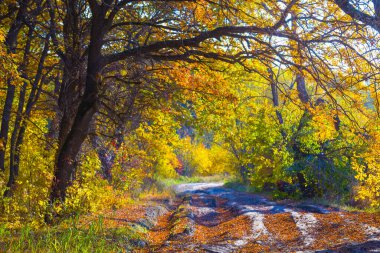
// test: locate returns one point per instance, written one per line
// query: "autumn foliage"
(101, 100)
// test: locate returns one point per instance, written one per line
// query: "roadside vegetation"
(69, 237)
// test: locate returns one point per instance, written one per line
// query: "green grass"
(340, 204)
(168, 182)
(236, 185)
(93, 238)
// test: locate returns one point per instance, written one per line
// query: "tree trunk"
(33, 98)
(64, 169)
(12, 173)
(65, 164)
(72, 83)
(275, 99)
(69, 99)
(106, 157)
(5, 122)
(54, 123)
(301, 88)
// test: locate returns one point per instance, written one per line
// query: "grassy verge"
(168, 182)
(69, 237)
(282, 197)
(236, 185)
(339, 204)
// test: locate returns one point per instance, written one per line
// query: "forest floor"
(207, 217)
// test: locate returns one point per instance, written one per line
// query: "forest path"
(211, 218)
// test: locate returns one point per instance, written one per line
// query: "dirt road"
(206, 217)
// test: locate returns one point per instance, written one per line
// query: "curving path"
(211, 218)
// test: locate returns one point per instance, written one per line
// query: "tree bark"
(275, 98)
(72, 82)
(65, 164)
(106, 157)
(301, 88)
(54, 122)
(64, 169)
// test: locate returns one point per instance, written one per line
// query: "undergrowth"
(69, 237)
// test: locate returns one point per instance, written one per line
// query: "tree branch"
(350, 10)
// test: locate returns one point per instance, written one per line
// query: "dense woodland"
(102, 100)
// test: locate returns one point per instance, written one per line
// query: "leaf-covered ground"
(207, 217)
